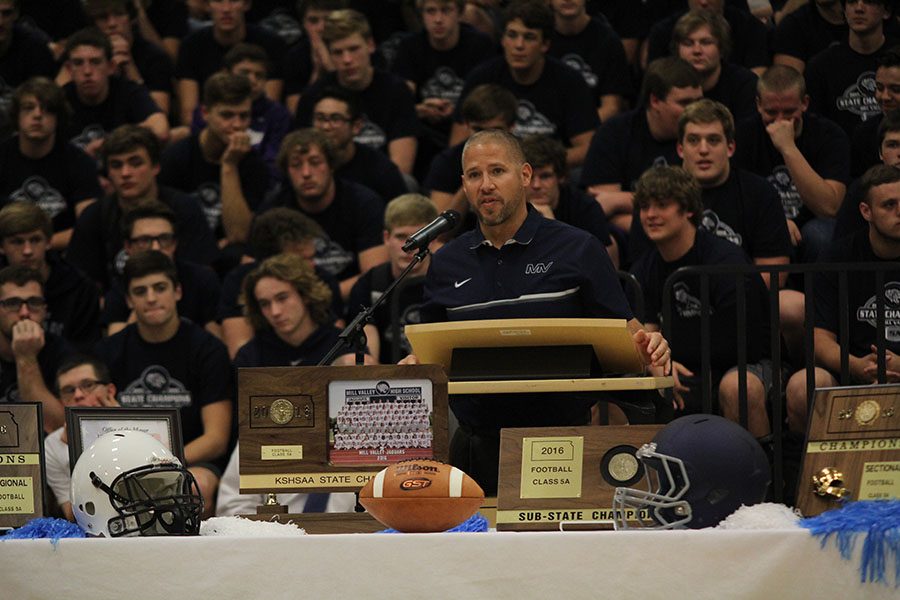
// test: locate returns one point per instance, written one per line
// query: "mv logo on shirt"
(537, 268)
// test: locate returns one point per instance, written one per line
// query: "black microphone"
(445, 222)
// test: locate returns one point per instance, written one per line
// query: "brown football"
(421, 496)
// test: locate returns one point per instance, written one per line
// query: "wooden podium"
(618, 365)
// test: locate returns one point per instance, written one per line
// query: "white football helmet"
(128, 484)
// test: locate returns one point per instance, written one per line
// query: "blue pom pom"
(45, 528)
(474, 524)
(878, 521)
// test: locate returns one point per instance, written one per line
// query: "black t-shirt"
(27, 56)
(622, 149)
(53, 353)
(856, 248)
(745, 210)
(841, 84)
(127, 103)
(153, 63)
(188, 372)
(73, 304)
(374, 170)
(849, 219)
(266, 349)
(824, 145)
(96, 245)
(736, 89)
(581, 210)
(387, 107)
(200, 290)
(749, 38)
(596, 52)
(558, 104)
(803, 33)
(441, 73)
(169, 18)
(445, 173)
(626, 17)
(353, 222)
(367, 289)
(184, 167)
(200, 55)
(864, 150)
(56, 182)
(683, 332)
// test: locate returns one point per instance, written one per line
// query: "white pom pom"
(767, 515)
(238, 527)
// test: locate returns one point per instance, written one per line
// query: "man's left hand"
(653, 348)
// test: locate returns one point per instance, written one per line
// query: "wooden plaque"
(21, 463)
(855, 432)
(330, 429)
(553, 476)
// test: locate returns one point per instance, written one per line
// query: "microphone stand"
(353, 336)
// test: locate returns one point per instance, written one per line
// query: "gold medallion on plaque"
(281, 411)
(867, 412)
(623, 466)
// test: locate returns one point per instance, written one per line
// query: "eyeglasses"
(145, 242)
(86, 386)
(332, 118)
(15, 303)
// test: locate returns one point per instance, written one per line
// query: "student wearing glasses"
(81, 380)
(29, 356)
(73, 301)
(152, 226)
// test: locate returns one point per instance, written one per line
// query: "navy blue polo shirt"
(548, 269)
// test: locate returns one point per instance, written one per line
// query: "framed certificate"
(84, 425)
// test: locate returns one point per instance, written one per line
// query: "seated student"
(81, 380)
(73, 302)
(863, 144)
(308, 59)
(386, 102)
(879, 195)
(350, 214)
(591, 47)
(337, 114)
(152, 226)
(164, 360)
(100, 100)
(217, 166)
(551, 194)
(39, 166)
(201, 52)
(629, 143)
(670, 212)
(435, 61)
(702, 38)
(553, 98)
(23, 54)
(29, 356)
(269, 120)
(277, 231)
(143, 61)
(289, 309)
(751, 49)
(849, 219)
(131, 155)
(403, 216)
(488, 106)
(806, 157)
(806, 31)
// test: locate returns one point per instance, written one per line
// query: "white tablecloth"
(641, 564)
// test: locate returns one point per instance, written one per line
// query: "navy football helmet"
(699, 469)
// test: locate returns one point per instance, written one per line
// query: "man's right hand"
(409, 359)
(27, 339)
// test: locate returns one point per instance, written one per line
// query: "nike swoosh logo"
(459, 284)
